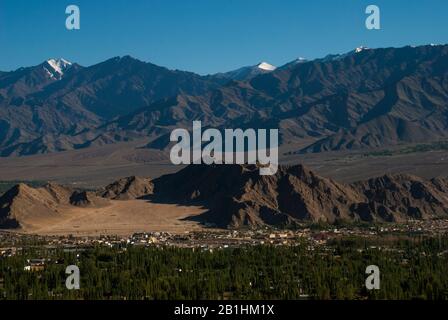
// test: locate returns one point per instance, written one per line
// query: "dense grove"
(409, 269)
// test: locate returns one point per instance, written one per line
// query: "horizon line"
(220, 72)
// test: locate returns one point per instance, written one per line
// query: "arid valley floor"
(122, 218)
(94, 167)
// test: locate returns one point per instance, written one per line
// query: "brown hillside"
(238, 196)
(87, 199)
(127, 188)
(23, 202)
(400, 197)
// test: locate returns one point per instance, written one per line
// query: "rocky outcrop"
(22, 201)
(128, 188)
(238, 196)
(87, 199)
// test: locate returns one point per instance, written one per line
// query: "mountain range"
(366, 98)
(236, 196)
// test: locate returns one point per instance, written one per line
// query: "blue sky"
(207, 36)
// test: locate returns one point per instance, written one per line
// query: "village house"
(35, 265)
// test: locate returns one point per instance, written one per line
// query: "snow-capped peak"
(58, 66)
(361, 48)
(300, 60)
(266, 66)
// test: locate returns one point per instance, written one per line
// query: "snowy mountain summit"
(266, 66)
(56, 67)
(360, 49)
(246, 73)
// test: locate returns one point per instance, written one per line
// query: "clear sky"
(208, 36)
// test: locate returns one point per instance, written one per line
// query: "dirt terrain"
(119, 218)
(95, 167)
(121, 208)
(90, 168)
(227, 196)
